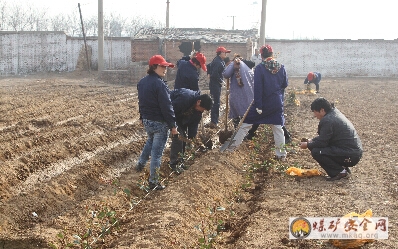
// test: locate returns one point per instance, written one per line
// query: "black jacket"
(336, 136)
(187, 117)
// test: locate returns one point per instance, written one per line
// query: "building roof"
(205, 35)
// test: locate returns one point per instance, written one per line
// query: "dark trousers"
(177, 150)
(252, 132)
(333, 165)
(317, 86)
(215, 92)
(177, 147)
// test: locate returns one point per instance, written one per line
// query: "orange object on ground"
(353, 243)
(293, 171)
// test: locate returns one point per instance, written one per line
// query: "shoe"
(183, 166)
(156, 186)
(337, 177)
(139, 167)
(317, 92)
(212, 125)
(348, 170)
(249, 136)
(176, 168)
(281, 158)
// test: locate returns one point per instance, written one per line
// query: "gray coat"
(336, 136)
(240, 97)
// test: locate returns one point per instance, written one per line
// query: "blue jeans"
(157, 132)
(215, 92)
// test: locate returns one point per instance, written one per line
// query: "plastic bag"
(353, 243)
(293, 171)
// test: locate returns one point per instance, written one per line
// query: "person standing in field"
(217, 66)
(270, 81)
(157, 116)
(241, 88)
(188, 72)
(256, 57)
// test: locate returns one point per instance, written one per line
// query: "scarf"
(271, 65)
(237, 72)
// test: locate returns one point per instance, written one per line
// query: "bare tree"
(138, 25)
(59, 23)
(3, 15)
(17, 18)
(74, 28)
(25, 17)
(91, 26)
(114, 25)
(40, 19)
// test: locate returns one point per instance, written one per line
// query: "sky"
(285, 19)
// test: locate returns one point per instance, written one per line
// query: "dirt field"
(69, 143)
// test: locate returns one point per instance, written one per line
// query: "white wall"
(30, 52)
(117, 53)
(338, 58)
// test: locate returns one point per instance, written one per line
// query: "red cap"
(222, 49)
(202, 59)
(268, 47)
(159, 60)
(310, 76)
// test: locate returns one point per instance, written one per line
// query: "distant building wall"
(338, 58)
(117, 52)
(31, 52)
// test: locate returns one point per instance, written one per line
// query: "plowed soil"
(69, 143)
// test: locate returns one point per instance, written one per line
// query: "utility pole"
(100, 35)
(233, 22)
(263, 18)
(84, 37)
(167, 14)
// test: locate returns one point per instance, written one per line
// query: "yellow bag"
(293, 171)
(353, 243)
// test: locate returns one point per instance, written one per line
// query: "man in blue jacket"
(188, 72)
(313, 77)
(188, 107)
(217, 66)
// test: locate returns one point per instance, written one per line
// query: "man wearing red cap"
(188, 72)
(216, 78)
(313, 77)
(157, 116)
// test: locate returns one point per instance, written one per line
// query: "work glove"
(259, 111)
